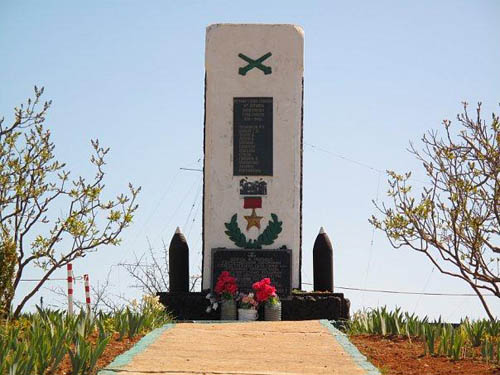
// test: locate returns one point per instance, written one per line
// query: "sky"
(377, 76)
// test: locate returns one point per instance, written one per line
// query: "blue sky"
(377, 74)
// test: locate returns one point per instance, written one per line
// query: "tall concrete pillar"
(253, 144)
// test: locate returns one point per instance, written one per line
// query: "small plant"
(154, 312)
(487, 350)
(19, 364)
(48, 346)
(498, 351)
(429, 336)
(248, 301)
(382, 322)
(84, 356)
(492, 327)
(134, 323)
(475, 331)
(120, 324)
(458, 342)
(446, 340)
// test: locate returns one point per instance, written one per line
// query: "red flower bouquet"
(226, 286)
(265, 292)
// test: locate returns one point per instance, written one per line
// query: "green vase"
(228, 309)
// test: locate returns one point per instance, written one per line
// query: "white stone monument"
(252, 196)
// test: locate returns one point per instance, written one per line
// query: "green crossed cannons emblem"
(255, 64)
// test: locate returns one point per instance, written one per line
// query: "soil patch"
(113, 349)
(396, 355)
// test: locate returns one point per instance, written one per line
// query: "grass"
(470, 338)
(37, 343)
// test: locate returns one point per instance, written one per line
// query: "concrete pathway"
(257, 348)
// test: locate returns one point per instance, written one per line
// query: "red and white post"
(70, 288)
(87, 292)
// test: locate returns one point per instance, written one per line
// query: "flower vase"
(272, 312)
(228, 309)
(247, 314)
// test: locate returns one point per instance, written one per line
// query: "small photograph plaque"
(253, 187)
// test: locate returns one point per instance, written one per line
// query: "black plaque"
(252, 136)
(249, 266)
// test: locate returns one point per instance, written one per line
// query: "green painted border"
(125, 358)
(343, 340)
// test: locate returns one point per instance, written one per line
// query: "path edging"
(126, 357)
(350, 349)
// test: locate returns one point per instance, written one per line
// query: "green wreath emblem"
(267, 237)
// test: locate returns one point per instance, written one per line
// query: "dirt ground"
(113, 349)
(398, 356)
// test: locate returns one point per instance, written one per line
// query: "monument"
(252, 191)
(252, 196)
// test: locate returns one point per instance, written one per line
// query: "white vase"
(247, 314)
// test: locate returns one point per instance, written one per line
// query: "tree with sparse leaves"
(7, 271)
(455, 221)
(47, 218)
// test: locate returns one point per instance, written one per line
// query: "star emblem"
(253, 220)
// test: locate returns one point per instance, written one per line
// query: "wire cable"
(195, 201)
(350, 160)
(371, 244)
(179, 206)
(423, 290)
(344, 157)
(413, 293)
(53, 279)
(141, 232)
(407, 292)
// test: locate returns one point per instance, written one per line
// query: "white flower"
(215, 305)
(134, 304)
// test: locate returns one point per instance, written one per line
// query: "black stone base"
(301, 306)
(316, 305)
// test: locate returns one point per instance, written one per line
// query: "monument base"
(301, 306)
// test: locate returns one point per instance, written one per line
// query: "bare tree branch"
(150, 270)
